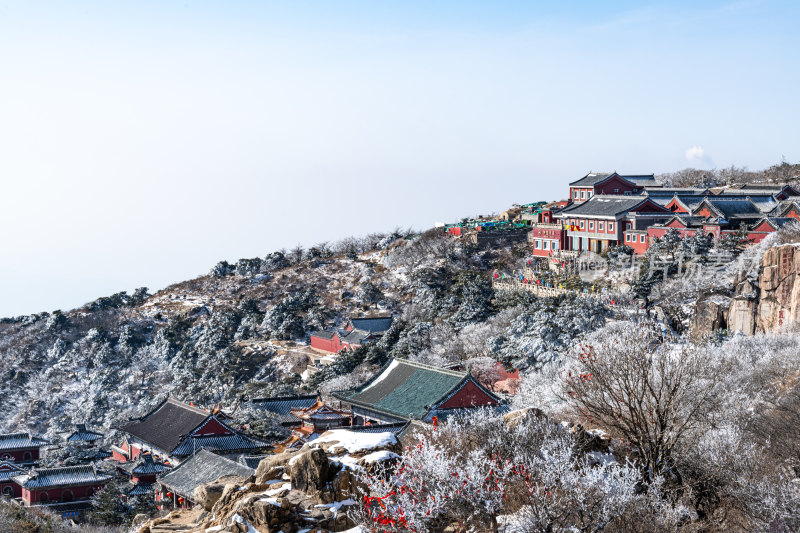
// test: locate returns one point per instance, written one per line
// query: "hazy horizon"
(144, 142)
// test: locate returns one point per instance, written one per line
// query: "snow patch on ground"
(383, 455)
(354, 442)
(336, 506)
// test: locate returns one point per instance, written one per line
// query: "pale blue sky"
(141, 142)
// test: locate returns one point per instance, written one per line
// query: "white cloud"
(697, 156)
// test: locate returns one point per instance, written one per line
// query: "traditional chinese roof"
(9, 470)
(165, 426)
(320, 411)
(251, 461)
(282, 406)
(408, 390)
(591, 179)
(605, 205)
(730, 208)
(395, 428)
(141, 489)
(82, 434)
(199, 469)
(235, 442)
(20, 441)
(375, 324)
(324, 334)
(68, 476)
(145, 465)
(643, 180)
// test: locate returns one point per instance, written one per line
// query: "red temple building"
(356, 332)
(174, 430)
(50, 486)
(20, 448)
(405, 390)
(9, 489)
(143, 474)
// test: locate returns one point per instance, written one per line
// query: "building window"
(583, 222)
(67, 496)
(537, 244)
(576, 194)
(8, 492)
(27, 456)
(641, 238)
(600, 226)
(627, 238)
(627, 193)
(591, 224)
(610, 226)
(43, 498)
(555, 245)
(583, 195)
(616, 190)
(546, 245)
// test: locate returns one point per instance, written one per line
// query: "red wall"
(639, 247)
(212, 427)
(19, 456)
(607, 187)
(470, 395)
(31, 497)
(16, 489)
(333, 345)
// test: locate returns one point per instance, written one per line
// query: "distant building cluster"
(610, 209)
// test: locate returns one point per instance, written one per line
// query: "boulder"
(270, 466)
(207, 495)
(310, 471)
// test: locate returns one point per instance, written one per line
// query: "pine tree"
(108, 508)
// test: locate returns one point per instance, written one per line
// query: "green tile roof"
(407, 389)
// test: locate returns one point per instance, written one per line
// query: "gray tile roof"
(354, 336)
(199, 469)
(379, 428)
(251, 461)
(82, 434)
(219, 443)
(20, 441)
(282, 406)
(591, 179)
(142, 489)
(61, 477)
(167, 424)
(376, 324)
(325, 334)
(643, 180)
(730, 208)
(679, 191)
(9, 470)
(604, 206)
(146, 466)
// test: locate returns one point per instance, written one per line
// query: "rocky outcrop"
(309, 488)
(773, 300)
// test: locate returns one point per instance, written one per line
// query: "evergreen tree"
(108, 507)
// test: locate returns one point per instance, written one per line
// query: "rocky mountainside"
(764, 301)
(242, 330)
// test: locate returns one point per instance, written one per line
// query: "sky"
(142, 142)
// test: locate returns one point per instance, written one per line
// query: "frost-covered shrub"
(481, 472)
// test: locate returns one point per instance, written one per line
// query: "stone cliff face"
(765, 304)
(774, 300)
